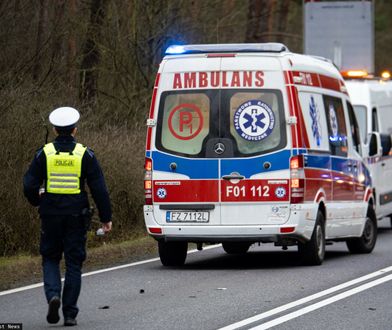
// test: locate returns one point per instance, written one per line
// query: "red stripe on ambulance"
(306, 78)
(298, 133)
(288, 77)
(255, 191)
(173, 191)
(302, 128)
(152, 110)
(315, 180)
(368, 194)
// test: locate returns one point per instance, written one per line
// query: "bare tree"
(282, 19)
(91, 52)
(71, 55)
(42, 28)
(271, 19)
(57, 37)
(258, 20)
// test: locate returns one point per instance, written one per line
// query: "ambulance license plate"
(187, 216)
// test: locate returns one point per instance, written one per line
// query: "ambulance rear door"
(254, 181)
(185, 177)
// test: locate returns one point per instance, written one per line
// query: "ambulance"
(250, 143)
(372, 102)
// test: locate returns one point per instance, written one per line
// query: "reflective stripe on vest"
(63, 169)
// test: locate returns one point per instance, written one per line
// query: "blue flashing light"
(175, 49)
(270, 47)
(337, 138)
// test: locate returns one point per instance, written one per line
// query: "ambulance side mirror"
(386, 144)
(375, 148)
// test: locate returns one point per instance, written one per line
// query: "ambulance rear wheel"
(172, 253)
(312, 252)
(365, 243)
(235, 247)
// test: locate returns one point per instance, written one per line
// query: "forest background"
(101, 57)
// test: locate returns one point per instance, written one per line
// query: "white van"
(372, 102)
(251, 143)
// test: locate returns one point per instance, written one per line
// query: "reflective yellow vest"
(63, 169)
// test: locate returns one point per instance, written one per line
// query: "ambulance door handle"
(233, 177)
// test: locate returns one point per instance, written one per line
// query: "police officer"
(62, 168)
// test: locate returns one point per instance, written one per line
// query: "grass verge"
(24, 270)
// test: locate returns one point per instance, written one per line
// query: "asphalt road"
(266, 287)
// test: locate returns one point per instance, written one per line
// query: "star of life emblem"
(161, 193)
(254, 120)
(280, 192)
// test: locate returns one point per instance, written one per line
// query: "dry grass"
(117, 137)
(24, 270)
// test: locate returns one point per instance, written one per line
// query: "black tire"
(236, 247)
(172, 253)
(312, 252)
(365, 243)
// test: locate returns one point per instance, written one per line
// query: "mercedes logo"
(219, 148)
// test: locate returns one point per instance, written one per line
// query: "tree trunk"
(58, 29)
(254, 13)
(42, 27)
(71, 54)
(271, 19)
(91, 53)
(282, 19)
(258, 20)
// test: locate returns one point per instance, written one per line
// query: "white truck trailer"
(372, 102)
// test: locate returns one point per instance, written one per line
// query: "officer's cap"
(64, 118)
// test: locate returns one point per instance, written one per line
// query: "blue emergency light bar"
(271, 47)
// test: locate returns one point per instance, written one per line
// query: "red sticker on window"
(185, 121)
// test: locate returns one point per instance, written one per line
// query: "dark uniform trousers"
(66, 233)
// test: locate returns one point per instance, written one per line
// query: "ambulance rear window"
(336, 125)
(243, 122)
(360, 112)
(185, 121)
(255, 121)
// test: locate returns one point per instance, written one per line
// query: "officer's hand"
(107, 227)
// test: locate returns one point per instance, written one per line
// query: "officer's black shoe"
(70, 322)
(53, 310)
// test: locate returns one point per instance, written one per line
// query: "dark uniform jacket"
(67, 204)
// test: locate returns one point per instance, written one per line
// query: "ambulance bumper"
(299, 227)
(222, 239)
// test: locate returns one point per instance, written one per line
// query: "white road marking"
(322, 303)
(305, 300)
(37, 285)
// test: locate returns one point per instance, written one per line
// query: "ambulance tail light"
(148, 181)
(297, 179)
(287, 230)
(155, 230)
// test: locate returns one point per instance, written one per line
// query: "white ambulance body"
(251, 143)
(372, 102)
